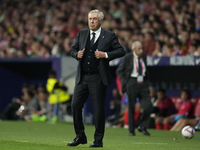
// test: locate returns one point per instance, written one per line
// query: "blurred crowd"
(167, 113)
(33, 101)
(47, 28)
(40, 102)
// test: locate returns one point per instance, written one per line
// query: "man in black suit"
(93, 48)
(134, 77)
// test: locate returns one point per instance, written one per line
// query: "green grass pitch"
(46, 136)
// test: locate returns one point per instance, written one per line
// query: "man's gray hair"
(134, 44)
(101, 16)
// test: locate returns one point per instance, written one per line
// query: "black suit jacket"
(108, 43)
(126, 67)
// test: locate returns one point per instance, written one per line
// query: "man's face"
(26, 96)
(160, 95)
(94, 22)
(42, 96)
(184, 96)
(147, 37)
(138, 49)
(192, 49)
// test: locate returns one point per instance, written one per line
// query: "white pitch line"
(22, 141)
(148, 143)
(70, 141)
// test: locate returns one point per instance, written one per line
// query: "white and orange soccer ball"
(188, 132)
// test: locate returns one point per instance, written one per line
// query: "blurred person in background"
(114, 11)
(158, 49)
(168, 50)
(192, 49)
(115, 107)
(21, 53)
(44, 51)
(12, 53)
(153, 95)
(185, 110)
(67, 46)
(181, 123)
(138, 111)
(29, 106)
(34, 50)
(33, 89)
(162, 108)
(44, 107)
(177, 51)
(25, 88)
(185, 40)
(133, 75)
(123, 120)
(197, 52)
(58, 95)
(149, 43)
(41, 87)
(12, 108)
(3, 54)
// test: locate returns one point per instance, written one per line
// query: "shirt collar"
(96, 32)
(136, 56)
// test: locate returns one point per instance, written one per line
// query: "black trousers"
(90, 84)
(138, 90)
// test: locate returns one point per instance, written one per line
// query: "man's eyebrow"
(93, 17)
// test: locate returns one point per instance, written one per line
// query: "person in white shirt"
(134, 77)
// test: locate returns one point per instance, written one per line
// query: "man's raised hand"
(80, 53)
(99, 54)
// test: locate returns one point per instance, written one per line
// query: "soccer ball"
(188, 132)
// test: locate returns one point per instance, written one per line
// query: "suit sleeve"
(144, 57)
(117, 49)
(121, 71)
(75, 48)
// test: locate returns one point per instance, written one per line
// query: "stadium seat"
(176, 101)
(197, 108)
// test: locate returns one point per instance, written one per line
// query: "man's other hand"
(100, 54)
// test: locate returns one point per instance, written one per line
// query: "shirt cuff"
(106, 55)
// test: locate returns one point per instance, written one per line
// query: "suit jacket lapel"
(101, 40)
(85, 38)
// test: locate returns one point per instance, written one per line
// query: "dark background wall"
(175, 78)
(14, 73)
(172, 77)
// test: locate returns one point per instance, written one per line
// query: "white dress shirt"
(135, 71)
(97, 34)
